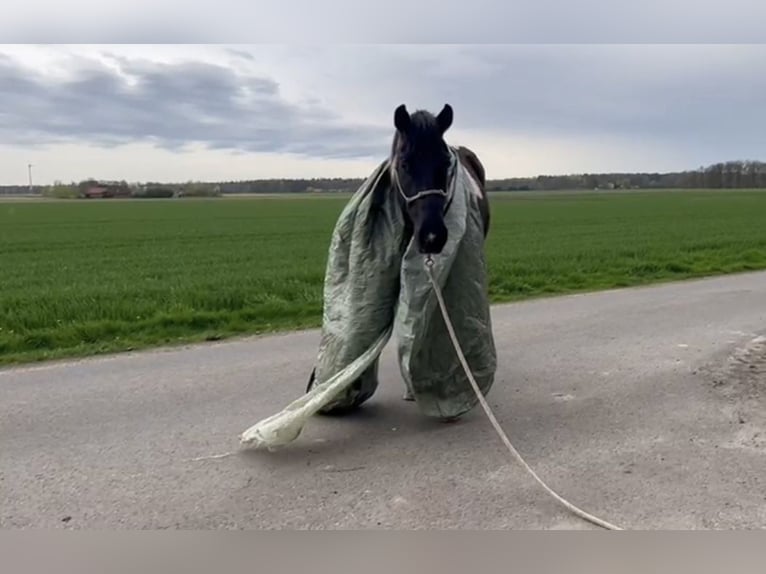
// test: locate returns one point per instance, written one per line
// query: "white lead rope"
(491, 416)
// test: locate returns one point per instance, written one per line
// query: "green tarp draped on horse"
(376, 286)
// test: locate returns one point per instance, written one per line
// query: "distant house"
(93, 189)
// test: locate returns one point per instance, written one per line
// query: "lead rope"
(491, 416)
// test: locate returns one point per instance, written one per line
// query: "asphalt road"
(643, 406)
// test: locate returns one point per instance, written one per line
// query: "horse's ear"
(444, 119)
(402, 118)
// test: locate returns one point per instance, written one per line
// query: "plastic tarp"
(376, 286)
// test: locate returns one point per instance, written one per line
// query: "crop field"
(83, 277)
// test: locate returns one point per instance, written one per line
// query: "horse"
(419, 164)
(418, 173)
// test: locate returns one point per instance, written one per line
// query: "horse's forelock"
(422, 122)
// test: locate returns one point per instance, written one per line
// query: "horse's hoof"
(344, 407)
(450, 420)
(339, 411)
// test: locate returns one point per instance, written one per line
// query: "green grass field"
(79, 278)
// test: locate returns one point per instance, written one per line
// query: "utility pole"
(29, 167)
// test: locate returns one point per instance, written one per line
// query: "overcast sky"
(176, 113)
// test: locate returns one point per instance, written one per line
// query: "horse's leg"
(312, 378)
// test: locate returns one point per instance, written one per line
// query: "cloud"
(683, 95)
(526, 108)
(114, 100)
(644, 90)
(423, 21)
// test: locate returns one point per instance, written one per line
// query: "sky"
(246, 111)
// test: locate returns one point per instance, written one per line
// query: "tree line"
(723, 175)
(731, 174)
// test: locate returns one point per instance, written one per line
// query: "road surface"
(643, 406)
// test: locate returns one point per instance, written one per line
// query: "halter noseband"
(420, 194)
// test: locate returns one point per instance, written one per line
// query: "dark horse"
(419, 166)
(419, 162)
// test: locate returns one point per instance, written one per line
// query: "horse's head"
(420, 161)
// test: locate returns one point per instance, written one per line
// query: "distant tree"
(60, 190)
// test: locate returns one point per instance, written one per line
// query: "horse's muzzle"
(432, 235)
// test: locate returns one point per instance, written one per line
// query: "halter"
(420, 194)
(428, 192)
